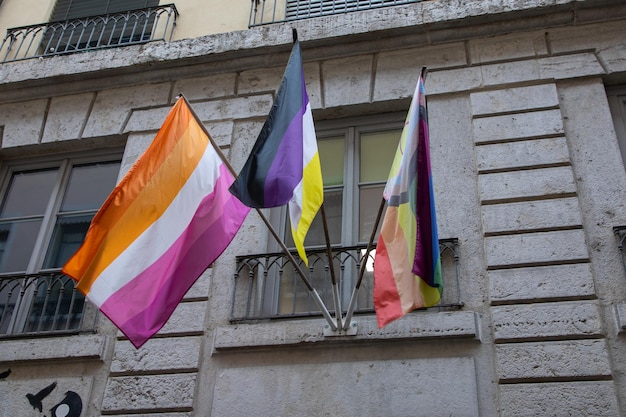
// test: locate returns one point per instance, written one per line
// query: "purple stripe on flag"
(143, 305)
(286, 170)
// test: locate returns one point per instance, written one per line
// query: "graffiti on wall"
(70, 406)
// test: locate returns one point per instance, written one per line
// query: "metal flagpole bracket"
(352, 330)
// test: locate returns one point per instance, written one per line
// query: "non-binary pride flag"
(407, 268)
(284, 165)
(165, 222)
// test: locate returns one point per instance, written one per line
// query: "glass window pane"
(29, 193)
(377, 152)
(17, 240)
(68, 235)
(89, 186)
(315, 237)
(369, 203)
(332, 159)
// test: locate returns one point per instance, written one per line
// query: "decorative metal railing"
(89, 33)
(266, 286)
(264, 12)
(41, 304)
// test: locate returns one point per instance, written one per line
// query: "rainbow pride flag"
(284, 164)
(407, 268)
(165, 222)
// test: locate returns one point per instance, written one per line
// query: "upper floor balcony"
(89, 33)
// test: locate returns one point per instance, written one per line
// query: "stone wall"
(528, 177)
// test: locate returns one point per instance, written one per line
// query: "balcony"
(265, 12)
(42, 304)
(89, 33)
(266, 286)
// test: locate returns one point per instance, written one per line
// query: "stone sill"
(66, 348)
(415, 326)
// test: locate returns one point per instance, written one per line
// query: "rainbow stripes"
(284, 165)
(407, 268)
(166, 221)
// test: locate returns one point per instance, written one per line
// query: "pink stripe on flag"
(144, 305)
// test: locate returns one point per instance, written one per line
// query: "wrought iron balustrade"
(42, 303)
(264, 12)
(89, 33)
(266, 286)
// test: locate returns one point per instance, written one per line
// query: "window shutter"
(73, 9)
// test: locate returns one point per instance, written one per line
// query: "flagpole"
(331, 264)
(299, 270)
(346, 324)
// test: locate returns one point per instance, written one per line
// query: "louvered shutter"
(73, 9)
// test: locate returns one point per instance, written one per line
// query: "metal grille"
(266, 286)
(264, 12)
(41, 304)
(89, 33)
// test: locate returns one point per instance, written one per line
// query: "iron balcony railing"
(44, 303)
(264, 12)
(89, 33)
(266, 286)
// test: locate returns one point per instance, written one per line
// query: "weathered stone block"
(518, 126)
(573, 319)
(521, 154)
(526, 184)
(187, 319)
(455, 80)
(531, 215)
(157, 356)
(514, 99)
(346, 388)
(543, 282)
(71, 348)
(22, 123)
(66, 117)
(112, 108)
(397, 71)
(459, 324)
(347, 81)
(570, 66)
(218, 110)
(155, 392)
(571, 360)
(507, 47)
(559, 399)
(202, 88)
(536, 248)
(261, 80)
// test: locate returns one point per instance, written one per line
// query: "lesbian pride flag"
(407, 268)
(165, 222)
(284, 165)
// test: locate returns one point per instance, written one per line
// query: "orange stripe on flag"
(150, 184)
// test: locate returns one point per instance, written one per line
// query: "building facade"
(527, 116)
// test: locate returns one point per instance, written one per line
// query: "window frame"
(64, 163)
(617, 105)
(351, 128)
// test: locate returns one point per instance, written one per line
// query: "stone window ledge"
(68, 348)
(419, 325)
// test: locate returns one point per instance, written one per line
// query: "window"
(298, 9)
(70, 31)
(45, 212)
(617, 103)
